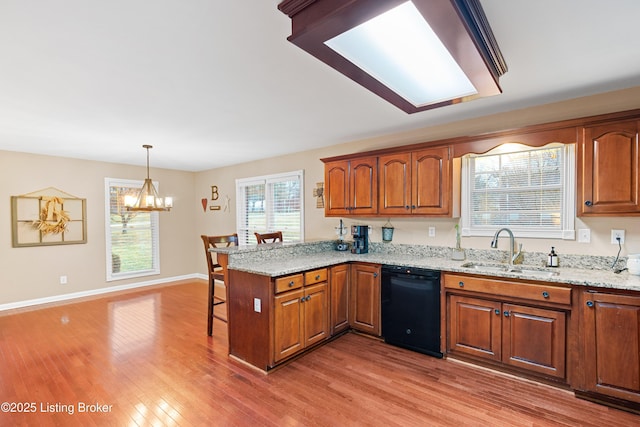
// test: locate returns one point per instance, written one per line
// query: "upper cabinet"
(400, 183)
(424, 179)
(608, 169)
(351, 187)
(416, 183)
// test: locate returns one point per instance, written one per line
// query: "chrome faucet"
(512, 244)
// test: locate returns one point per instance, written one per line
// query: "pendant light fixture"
(148, 199)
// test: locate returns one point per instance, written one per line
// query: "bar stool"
(216, 272)
(269, 237)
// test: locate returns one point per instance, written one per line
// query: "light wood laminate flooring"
(144, 358)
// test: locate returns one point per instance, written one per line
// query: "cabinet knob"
(461, 284)
(317, 277)
(302, 299)
(497, 311)
(308, 298)
(589, 303)
(375, 275)
(545, 294)
(507, 314)
(407, 207)
(588, 203)
(413, 206)
(291, 283)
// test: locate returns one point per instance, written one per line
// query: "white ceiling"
(211, 83)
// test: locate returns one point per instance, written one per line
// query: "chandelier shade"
(148, 199)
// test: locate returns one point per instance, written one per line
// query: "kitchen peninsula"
(285, 299)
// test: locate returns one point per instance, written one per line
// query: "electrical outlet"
(614, 237)
(63, 280)
(432, 231)
(257, 305)
(584, 235)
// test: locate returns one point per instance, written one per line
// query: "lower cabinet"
(612, 344)
(364, 298)
(503, 328)
(301, 316)
(339, 292)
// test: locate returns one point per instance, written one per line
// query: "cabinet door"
(475, 327)
(316, 313)
(364, 298)
(336, 181)
(431, 176)
(608, 169)
(395, 184)
(534, 339)
(339, 290)
(363, 186)
(288, 324)
(612, 344)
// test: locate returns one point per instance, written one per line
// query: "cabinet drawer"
(529, 291)
(315, 276)
(288, 283)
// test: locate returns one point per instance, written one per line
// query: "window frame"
(154, 225)
(265, 180)
(566, 230)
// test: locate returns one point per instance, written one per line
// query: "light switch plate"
(584, 235)
(257, 305)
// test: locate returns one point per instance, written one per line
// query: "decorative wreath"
(59, 217)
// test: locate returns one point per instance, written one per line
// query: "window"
(270, 203)
(529, 190)
(132, 238)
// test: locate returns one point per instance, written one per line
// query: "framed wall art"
(48, 217)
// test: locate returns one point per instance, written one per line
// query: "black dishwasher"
(411, 308)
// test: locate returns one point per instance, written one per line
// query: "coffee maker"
(360, 239)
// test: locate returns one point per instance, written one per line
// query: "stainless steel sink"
(516, 269)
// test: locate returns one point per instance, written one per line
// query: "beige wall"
(32, 273)
(415, 230)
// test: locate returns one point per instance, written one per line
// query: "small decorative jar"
(633, 264)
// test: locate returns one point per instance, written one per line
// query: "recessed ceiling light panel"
(400, 49)
(442, 53)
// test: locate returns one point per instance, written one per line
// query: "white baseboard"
(82, 294)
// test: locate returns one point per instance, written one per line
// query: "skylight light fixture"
(400, 49)
(417, 54)
(148, 199)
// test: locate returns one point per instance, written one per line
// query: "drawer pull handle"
(589, 303)
(497, 311)
(461, 284)
(545, 294)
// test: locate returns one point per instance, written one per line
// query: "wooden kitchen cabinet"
(339, 296)
(364, 298)
(607, 163)
(416, 183)
(301, 316)
(520, 325)
(611, 354)
(475, 327)
(351, 187)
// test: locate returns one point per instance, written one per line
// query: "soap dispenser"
(552, 260)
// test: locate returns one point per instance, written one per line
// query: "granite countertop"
(267, 260)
